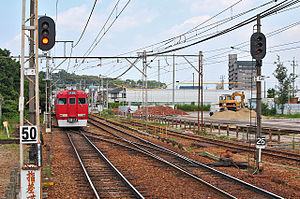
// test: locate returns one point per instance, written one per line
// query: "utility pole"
(0, 108)
(146, 84)
(193, 80)
(32, 108)
(30, 135)
(173, 93)
(158, 70)
(47, 85)
(222, 82)
(107, 94)
(294, 65)
(200, 94)
(201, 73)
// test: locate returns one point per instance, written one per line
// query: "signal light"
(46, 30)
(45, 40)
(258, 46)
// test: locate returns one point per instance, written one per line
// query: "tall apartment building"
(241, 71)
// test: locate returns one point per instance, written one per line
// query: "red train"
(71, 108)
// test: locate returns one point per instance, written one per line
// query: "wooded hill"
(63, 79)
(10, 85)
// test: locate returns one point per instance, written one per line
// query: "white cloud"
(187, 25)
(133, 20)
(293, 33)
(126, 22)
(74, 18)
(206, 6)
(14, 45)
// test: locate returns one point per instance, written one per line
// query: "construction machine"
(231, 102)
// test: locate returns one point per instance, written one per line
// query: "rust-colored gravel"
(63, 166)
(279, 179)
(9, 157)
(159, 180)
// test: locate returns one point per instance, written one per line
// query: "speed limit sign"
(260, 143)
(29, 135)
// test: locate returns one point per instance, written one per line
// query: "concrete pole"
(146, 84)
(258, 101)
(0, 108)
(173, 91)
(201, 73)
(107, 94)
(158, 69)
(32, 108)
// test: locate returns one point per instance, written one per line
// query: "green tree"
(9, 85)
(271, 93)
(284, 81)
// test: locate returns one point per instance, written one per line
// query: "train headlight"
(63, 115)
(81, 115)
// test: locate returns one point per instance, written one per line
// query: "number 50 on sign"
(29, 135)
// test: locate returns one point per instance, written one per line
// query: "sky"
(146, 22)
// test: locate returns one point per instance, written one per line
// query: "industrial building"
(181, 96)
(241, 71)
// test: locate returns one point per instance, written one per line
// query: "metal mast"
(33, 167)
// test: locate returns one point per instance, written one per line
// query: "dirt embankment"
(159, 110)
(243, 113)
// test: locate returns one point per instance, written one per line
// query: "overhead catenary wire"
(263, 14)
(97, 39)
(86, 24)
(182, 35)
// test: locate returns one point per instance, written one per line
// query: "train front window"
(82, 101)
(72, 100)
(61, 101)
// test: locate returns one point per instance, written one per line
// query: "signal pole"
(30, 135)
(48, 94)
(258, 52)
(31, 65)
(258, 99)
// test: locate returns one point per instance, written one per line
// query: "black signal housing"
(258, 46)
(46, 30)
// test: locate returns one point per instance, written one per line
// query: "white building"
(182, 96)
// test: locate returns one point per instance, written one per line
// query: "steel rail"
(252, 187)
(83, 167)
(224, 143)
(128, 184)
(148, 153)
(228, 144)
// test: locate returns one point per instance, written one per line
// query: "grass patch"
(224, 137)
(285, 116)
(3, 136)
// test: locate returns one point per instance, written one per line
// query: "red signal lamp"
(259, 51)
(45, 41)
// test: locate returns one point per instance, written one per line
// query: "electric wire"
(263, 14)
(95, 42)
(86, 24)
(181, 35)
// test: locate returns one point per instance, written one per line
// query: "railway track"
(292, 127)
(220, 182)
(275, 153)
(103, 177)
